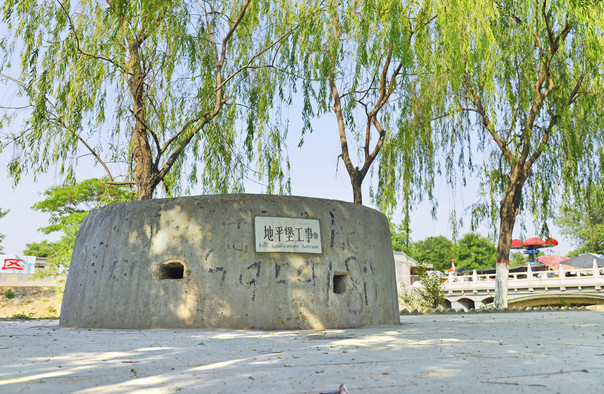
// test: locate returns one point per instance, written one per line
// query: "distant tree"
(400, 235)
(582, 219)
(471, 252)
(68, 205)
(172, 92)
(517, 259)
(437, 251)
(39, 249)
(2, 214)
(474, 251)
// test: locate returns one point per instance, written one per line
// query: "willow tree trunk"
(146, 174)
(510, 206)
(357, 181)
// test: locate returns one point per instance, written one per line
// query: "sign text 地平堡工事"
(276, 234)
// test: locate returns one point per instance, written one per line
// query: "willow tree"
(358, 59)
(155, 91)
(522, 82)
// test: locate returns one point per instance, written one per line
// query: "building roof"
(552, 261)
(401, 257)
(585, 260)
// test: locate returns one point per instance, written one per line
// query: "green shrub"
(432, 292)
(429, 295)
(9, 293)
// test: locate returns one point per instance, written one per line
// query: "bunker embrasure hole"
(340, 283)
(171, 270)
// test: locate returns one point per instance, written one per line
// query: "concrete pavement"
(536, 352)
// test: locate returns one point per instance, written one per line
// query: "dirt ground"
(30, 302)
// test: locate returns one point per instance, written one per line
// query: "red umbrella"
(535, 242)
(517, 244)
(532, 244)
(551, 242)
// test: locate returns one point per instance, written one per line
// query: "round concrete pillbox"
(232, 261)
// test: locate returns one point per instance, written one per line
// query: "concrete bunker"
(232, 261)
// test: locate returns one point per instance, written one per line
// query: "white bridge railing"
(575, 279)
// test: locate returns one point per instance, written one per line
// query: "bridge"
(538, 288)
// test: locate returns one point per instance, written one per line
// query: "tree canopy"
(68, 205)
(517, 259)
(357, 61)
(582, 220)
(39, 249)
(401, 237)
(472, 251)
(172, 92)
(437, 251)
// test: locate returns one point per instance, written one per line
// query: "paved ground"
(536, 352)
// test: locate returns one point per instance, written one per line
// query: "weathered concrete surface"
(116, 279)
(537, 352)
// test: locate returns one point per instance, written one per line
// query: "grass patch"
(23, 316)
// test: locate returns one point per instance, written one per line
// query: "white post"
(596, 275)
(561, 277)
(475, 282)
(529, 276)
(502, 271)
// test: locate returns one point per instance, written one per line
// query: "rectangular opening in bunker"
(340, 283)
(171, 270)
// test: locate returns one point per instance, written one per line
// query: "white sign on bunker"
(276, 234)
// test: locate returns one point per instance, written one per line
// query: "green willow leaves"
(358, 61)
(172, 92)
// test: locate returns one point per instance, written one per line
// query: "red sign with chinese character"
(13, 264)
